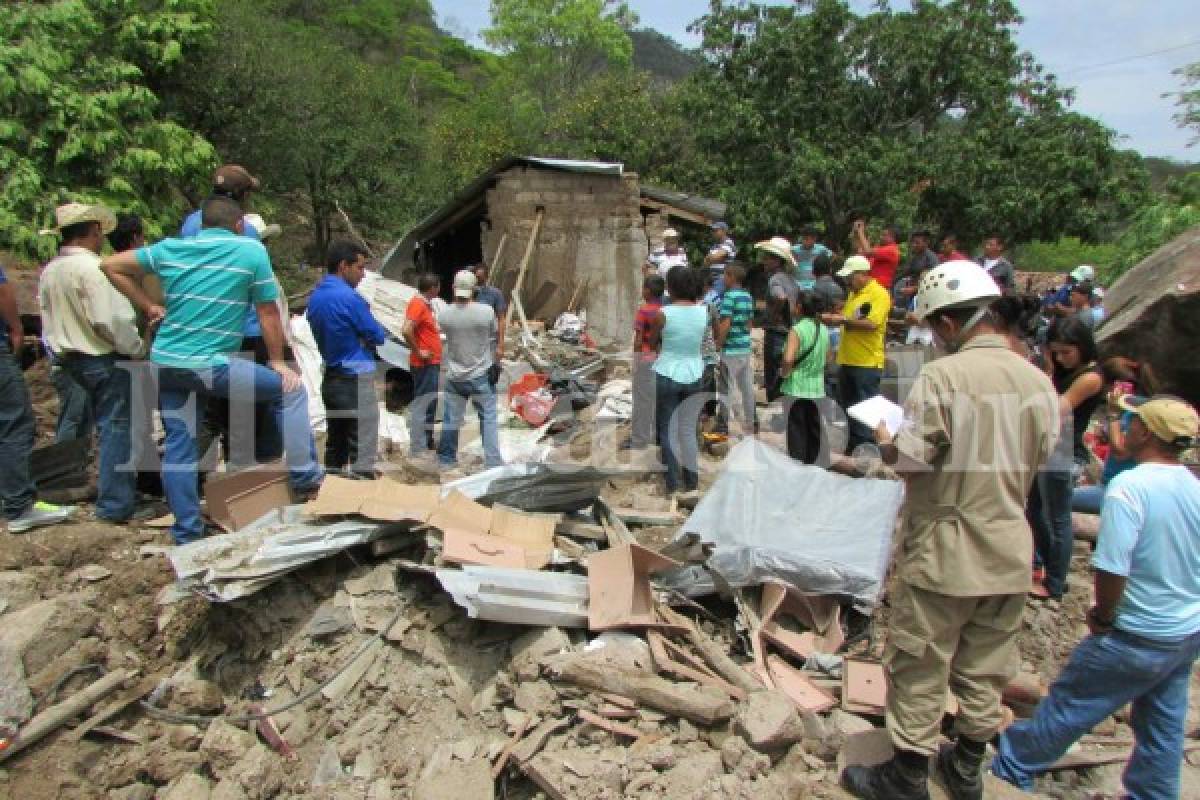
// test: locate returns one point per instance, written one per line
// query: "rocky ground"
(424, 702)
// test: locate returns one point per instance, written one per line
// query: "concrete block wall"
(592, 240)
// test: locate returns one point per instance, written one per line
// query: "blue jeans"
(108, 387)
(855, 384)
(422, 411)
(75, 418)
(483, 397)
(1049, 514)
(1104, 674)
(182, 394)
(17, 491)
(1088, 499)
(677, 413)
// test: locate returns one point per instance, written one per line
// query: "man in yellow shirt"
(860, 354)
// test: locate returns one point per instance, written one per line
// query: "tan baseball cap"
(854, 264)
(1167, 417)
(75, 213)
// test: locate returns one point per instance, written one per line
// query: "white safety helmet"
(1084, 272)
(955, 284)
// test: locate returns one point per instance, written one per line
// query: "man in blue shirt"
(345, 331)
(494, 298)
(1146, 622)
(208, 281)
(806, 251)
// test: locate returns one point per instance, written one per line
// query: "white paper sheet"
(877, 409)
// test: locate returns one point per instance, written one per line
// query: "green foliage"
(80, 112)
(555, 44)
(928, 117)
(1189, 99)
(661, 56)
(1063, 255)
(1157, 223)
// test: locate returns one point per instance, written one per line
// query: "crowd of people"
(994, 451)
(994, 447)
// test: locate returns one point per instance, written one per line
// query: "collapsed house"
(559, 235)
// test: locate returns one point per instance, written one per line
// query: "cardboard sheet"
(619, 587)
(385, 500)
(236, 499)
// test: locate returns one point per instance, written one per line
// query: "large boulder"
(1153, 315)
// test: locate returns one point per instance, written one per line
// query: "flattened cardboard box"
(619, 587)
(384, 500)
(237, 499)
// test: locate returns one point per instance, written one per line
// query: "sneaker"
(39, 514)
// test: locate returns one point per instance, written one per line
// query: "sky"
(1117, 54)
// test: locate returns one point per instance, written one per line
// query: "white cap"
(955, 284)
(670, 233)
(854, 264)
(1084, 272)
(464, 284)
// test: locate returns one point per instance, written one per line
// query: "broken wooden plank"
(797, 686)
(713, 653)
(60, 714)
(614, 528)
(532, 744)
(502, 759)
(115, 707)
(529, 247)
(633, 516)
(581, 530)
(609, 725)
(353, 673)
(702, 704)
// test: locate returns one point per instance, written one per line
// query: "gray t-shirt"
(782, 284)
(470, 340)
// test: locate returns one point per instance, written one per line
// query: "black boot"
(961, 766)
(905, 777)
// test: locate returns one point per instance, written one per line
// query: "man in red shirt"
(425, 363)
(644, 356)
(884, 257)
(948, 249)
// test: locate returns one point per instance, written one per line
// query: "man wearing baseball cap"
(1145, 624)
(470, 352)
(233, 181)
(863, 321)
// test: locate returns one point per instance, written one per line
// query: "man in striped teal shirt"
(733, 340)
(209, 281)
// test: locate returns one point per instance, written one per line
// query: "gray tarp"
(769, 517)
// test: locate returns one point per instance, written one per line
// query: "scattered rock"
(228, 789)
(134, 791)
(185, 737)
(689, 777)
(224, 745)
(196, 696)
(529, 649)
(43, 631)
(538, 698)
(769, 721)
(456, 780)
(189, 787)
(259, 773)
(90, 573)
(18, 589)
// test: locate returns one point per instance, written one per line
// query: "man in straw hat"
(91, 328)
(979, 423)
(1145, 624)
(776, 257)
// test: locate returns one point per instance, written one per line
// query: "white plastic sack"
(311, 368)
(770, 517)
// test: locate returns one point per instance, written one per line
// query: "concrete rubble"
(558, 629)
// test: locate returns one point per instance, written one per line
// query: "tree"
(554, 44)
(80, 112)
(1189, 99)
(931, 116)
(321, 125)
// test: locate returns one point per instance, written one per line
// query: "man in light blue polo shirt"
(208, 281)
(1146, 622)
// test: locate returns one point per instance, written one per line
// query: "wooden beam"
(673, 211)
(529, 246)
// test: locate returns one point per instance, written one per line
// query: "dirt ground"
(435, 699)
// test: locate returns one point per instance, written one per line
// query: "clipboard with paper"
(877, 409)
